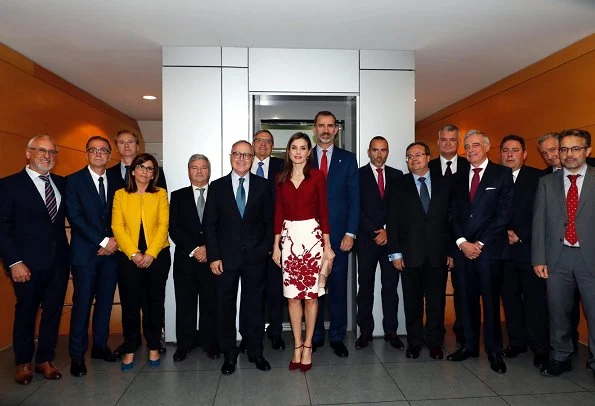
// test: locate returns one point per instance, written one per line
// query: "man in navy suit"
(340, 168)
(480, 211)
(34, 248)
(377, 181)
(89, 196)
(239, 232)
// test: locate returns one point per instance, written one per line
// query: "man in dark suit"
(34, 249)
(419, 240)
(377, 181)
(89, 196)
(450, 163)
(340, 168)
(480, 210)
(563, 250)
(239, 230)
(523, 293)
(194, 282)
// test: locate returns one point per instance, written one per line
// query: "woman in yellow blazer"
(140, 221)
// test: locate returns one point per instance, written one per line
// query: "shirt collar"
(94, 175)
(443, 160)
(34, 175)
(582, 171)
(426, 176)
(206, 187)
(374, 167)
(483, 165)
(329, 150)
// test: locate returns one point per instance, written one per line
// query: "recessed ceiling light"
(149, 97)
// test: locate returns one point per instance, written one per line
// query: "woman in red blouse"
(301, 241)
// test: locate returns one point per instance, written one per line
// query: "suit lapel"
(586, 190)
(485, 180)
(32, 190)
(414, 192)
(315, 158)
(436, 188)
(90, 187)
(192, 208)
(558, 190)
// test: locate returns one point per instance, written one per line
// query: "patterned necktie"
(324, 163)
(571, 206)
(474, 183)
(200, 203)
(50, 197)
(380, 182)
(424, 194)
(241, 197)
(448, 170)
(260, 171)
(102, 192)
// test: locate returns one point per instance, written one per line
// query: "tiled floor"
(376, 375)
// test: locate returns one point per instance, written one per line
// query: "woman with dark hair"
(302, 242)
(140, 221)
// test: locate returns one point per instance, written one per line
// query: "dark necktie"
(474, 183)
(324, 163)
(200, 203)
(424, 194)
(102, 192)
(50, 197)
(448, 171)
(126, 173)
(571, 207)
(241, 197)
(380, 182)
(260, 171)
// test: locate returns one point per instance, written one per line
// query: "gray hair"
(243, 142)
(486, 140)
(197, 157)
(39, 137)
(547, 136)
(449, 128)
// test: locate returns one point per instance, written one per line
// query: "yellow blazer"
(128, 211)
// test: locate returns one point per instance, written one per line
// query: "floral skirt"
(301, 258)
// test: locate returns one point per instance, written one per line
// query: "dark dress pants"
(94, 280)
(419, 283)
(47, 287)
(368, 256)
(143, 289)
(457, 327)
(194, 285)
(524, 298)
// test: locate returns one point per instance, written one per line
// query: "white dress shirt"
(265, 167)
(453, 165)
(196, 191)
(95, 178)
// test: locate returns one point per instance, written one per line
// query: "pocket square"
(490, 188)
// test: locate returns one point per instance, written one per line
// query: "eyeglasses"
(143, 168)
(239, 155)
(575, 149)
(43, 151)
(416, 155)
(102, 151)
(263, 140)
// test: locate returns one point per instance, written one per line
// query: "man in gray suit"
(563, 249)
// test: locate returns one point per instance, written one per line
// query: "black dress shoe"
(413, 351)
(229, 364)
(462, 354)
(78, 369)
(340, 349)
(436, 353)
(213, 352)
(260, 362)
(541, 360)
(277, 343)
(103, 353)
(394, 340)
(513, 351)
(555, 368)
(242, 346)
(180, 355)
(162, 349)
(316, 344)
(497, 364)
(362, 342)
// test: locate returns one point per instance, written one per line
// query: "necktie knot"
(101, 179)
(422, 179)
(260, 164)
(201, 191)
(477, 170)
(242, 181)
(260, 169)
(448, 163)
(380, 182)
(573, 178)
(324, 152)
(45, 178)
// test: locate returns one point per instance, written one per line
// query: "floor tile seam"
(580, 384)
(395, 382)
(44, 382)
(548, 393)
(477, 376)
(455, 397)
(217, 390)
(136, 375)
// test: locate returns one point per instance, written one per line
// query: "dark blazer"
(90, 222)
(522, 212)
(26, 231)
(343, 193)
(486, 218)
(373, 208)
(436, 169)
(185, 228)
(412, 232)
(275, 166)
(234, 239)
(117, 172)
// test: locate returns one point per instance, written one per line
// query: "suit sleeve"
(365, 223)
(279, 213)
(127, 246)
(159, 240)
(539, 222)
(161, 182)
(322, 207)
(75, 213)
(455, 228)
(499, 223)
(8, 248)
(211, 225)
(353, 200)
(176, 231)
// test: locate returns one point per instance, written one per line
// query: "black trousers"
(47, 287)
(419, 283)
(368, 256)
(457, 327)
(524, 297)
(252, 277)
(143, 289)
(194, 285)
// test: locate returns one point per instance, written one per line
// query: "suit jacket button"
(471, 215)
(561, 239)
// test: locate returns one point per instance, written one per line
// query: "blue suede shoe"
(154, 364)
(126, 367)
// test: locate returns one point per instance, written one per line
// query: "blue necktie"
(260, 171)
(241, 197)
(424, 195)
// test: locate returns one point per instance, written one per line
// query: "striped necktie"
(50, 197)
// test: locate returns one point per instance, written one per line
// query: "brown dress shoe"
(48, 370)
(24, 374)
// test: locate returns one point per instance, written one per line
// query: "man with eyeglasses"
(563, 250)
(34, 248)
(239, 238)
(480, 210)
(419, 242)
(89, 197)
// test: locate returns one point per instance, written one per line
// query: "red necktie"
(380, 182)
(324, 163)
(571, 206)
(474, 183)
